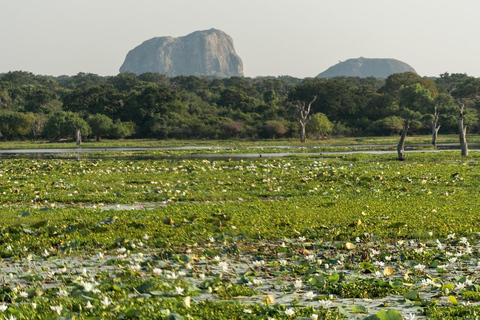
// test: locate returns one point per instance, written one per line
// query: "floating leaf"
(358, 308)
(413, 295)
(390, 314)
(453, 300)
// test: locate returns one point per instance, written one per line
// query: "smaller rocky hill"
(365, 67)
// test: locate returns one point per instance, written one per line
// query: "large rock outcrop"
(202, 53)
(364, 67)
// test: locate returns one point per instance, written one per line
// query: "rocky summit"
(201, 53)
(365, 67)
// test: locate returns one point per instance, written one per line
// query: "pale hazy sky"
(300, 38)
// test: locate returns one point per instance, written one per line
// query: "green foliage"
(100, 124)
(319, 125)
(190, 107)
(62, 125)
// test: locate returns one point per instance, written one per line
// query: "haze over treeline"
(189, 107)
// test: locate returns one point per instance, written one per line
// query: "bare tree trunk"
(435, 128)
(303, 134)
(302, 116)
(78, 136)
(401, 143)
(462, 130)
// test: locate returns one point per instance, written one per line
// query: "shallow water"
(106, 153)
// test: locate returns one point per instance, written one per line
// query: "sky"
(300, 38)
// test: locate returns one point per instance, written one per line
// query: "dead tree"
(401, 143)
(78, 136)
(435, 128)
(462, 130)
(302, 117)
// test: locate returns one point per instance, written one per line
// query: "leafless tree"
(401, 143)
(435, 128)
(78, 136)
(302, 116)
(462, 130)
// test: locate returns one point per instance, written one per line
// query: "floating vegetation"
(325, 238)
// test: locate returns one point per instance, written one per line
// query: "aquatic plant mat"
(356, 236)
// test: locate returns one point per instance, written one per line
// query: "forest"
(190, 107)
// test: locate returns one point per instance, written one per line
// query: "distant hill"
(365, 67)
(201, 53)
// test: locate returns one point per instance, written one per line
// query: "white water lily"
(310, 295)
(179, 290)
(106, 302)
(290, 312)
(57, 309)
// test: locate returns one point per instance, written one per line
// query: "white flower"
(121, 250)
(460, 286)
(283, 262)
(310, 295)
(146, 237)
(314, 316)
(62, 293)
(257, 282)
(34, 305)
(419, 267)
(57, 309)
(468, 282)
(451, 236)
(88, 305)
(157, 271)
(247, 311)
(105, 302)
(325, 303)
(87, 286)
(3, 307)
(135, 267)
(426, 282)
(224, 266)
(301, 239)
(23, 294)
(410, 316)
(298, 284)
(11, 318)
(290, 312)
(100, 255)
(179, 290)
(452, 260)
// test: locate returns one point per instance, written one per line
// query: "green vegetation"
(344, 236)
(188, 107)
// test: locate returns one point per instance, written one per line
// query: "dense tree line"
(189, 107)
